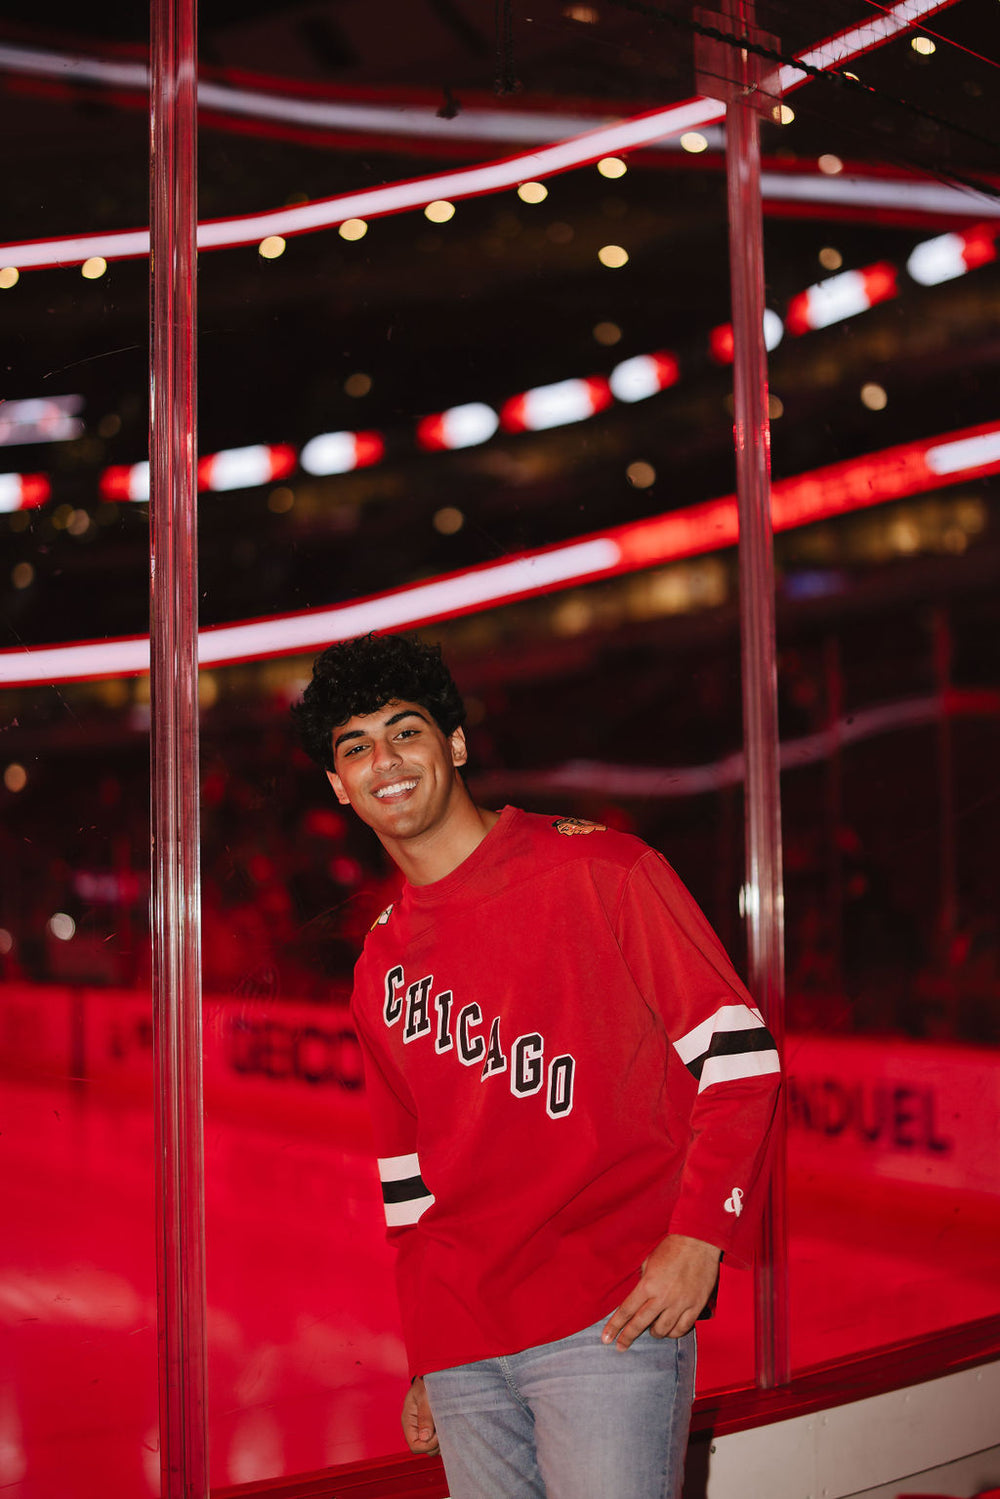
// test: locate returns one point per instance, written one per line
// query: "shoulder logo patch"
(381, 920)
(570, 826)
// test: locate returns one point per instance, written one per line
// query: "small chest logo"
(570, 826)
(734, 1204)
(381, 920)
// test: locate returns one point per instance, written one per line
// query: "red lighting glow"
(341, 452)
(125, 482)
(555, 405)
(245, 468)
(643, 375)
(841, 297)
(23, 491)
(951, 255)
(722, 343)
(458, 427)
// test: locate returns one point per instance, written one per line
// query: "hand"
(418, 1423)
(676, 1281)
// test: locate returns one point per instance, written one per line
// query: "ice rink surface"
(306, 1368)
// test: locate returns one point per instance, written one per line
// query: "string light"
(873, 396)
(641, 475)
(271, 247)
(448, 520)
(15, 777)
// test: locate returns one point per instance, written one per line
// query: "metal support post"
(739, 79)
(180, 1226)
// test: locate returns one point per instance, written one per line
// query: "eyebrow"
(394, 719)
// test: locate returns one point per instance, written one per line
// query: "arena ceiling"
(504, 297)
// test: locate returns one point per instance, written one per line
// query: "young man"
(571, 1092)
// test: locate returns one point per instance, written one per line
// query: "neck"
(442, 848)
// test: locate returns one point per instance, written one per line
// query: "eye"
(406, 733)
(354, 749)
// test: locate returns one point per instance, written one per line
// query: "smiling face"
(399, 772)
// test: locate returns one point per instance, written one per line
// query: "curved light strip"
(858, 39)
(912, 468)
(468, 182)
(472, 123)
(879, 193)
(378, 202)
(691, 780)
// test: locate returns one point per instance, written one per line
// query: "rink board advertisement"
(921, 1112)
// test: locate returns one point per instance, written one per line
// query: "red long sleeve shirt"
(562, 1067)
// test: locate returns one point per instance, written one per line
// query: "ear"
(338, 788)
(459, 748)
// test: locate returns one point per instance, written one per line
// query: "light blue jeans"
(568, 1420)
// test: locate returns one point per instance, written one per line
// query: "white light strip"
(850, 44)
(289, 634)
(375, 202)
(527, 127)
(968, 452)
(878, 192)
(578, 150)
(465, 182)
(446, 596)
(472, 123)
(10, 493)
(47, 664)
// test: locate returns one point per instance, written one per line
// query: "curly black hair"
(360, 676)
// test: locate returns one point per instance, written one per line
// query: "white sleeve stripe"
(398, 1214)
(731, 1069)
(397, 1168)
(728, 1018)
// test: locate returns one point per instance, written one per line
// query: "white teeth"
(396, 789)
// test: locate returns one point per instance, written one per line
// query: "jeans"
(568, 1420)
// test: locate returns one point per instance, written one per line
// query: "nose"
(385, 755)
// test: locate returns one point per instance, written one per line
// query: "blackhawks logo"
(570, 826)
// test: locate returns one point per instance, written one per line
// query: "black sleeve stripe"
(732, 1044)
(407, 1190)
